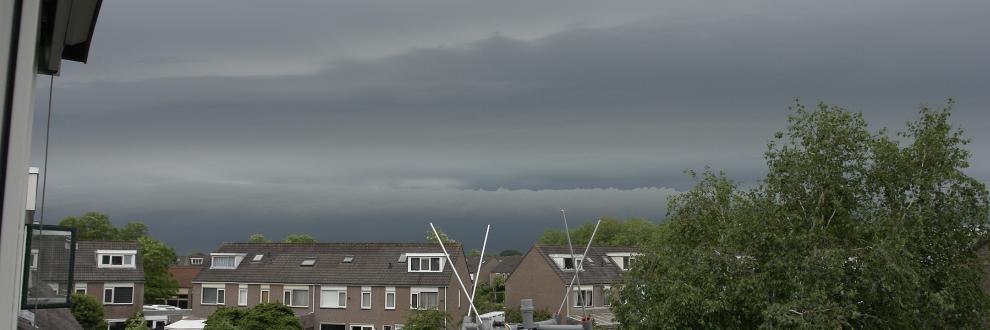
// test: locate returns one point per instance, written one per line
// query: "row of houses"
(350, 286)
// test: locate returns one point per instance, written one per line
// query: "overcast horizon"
(364, 121)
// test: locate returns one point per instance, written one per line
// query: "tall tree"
(849, 229)
(298, 238)
(91, 226)
(611, 232)
(258, 238)
(430, 237)
(158, 282)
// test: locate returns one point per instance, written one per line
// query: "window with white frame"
(116, 258)
(386, 327)
(34, 259)
(362, 327)
(195, 261)
(118, 293)
(266, 296)
(296, 296)
(333, 297)
(425, 262)
(366, 297)
(80, 288)
(390, 297)
(566, 261)
(242, 294)
(224, 262)
(424, 298)
(606, 295)
(583, 296)
(213, 294)
(398, 326)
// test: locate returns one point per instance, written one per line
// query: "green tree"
(430, 319)
(849, 229)
(298, 238)
(509, 253)
(88, 312)
(611, 232)
(258, 238)
(270, 316)
(225, 318)
(474, 253)
(156, 258)
(136, 322)
(91, 226)
(132, 231)
(430, 237)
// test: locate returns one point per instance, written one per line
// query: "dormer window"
(116, 258)
(425, 262)
(624, 260)
(566, 261)
(195, 261)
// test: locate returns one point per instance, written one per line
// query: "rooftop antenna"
(458, 276)
(578, 267)
(567, 230)
(477, 274)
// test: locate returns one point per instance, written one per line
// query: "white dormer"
(623, 260)
(425, 262)
(567, 262)
(226, 260)
(116, 258)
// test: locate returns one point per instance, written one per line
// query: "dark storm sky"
(364, 120)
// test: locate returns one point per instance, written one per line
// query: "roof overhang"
(66, 32)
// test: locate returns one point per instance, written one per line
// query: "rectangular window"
(34, 259)
(425, 264)
(333, 297)
(223, 262)
(366, 299)
(118, 294)
(606, 293)
(242, 294)
(333, 327)
(265, 296)
(362, 327)
(424, 300)
(195, 261)
(80, 288)
(569, 263)
(386, 327)
(583, 297)
(390, 298)
(296, 297)
(119, 259)
(212, 296)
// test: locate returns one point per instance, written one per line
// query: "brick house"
(545, 271)
(185, 269)
(334, 286)
(113, 273)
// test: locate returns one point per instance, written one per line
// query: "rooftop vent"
(258, 257)
(308, 261)
(348, 259)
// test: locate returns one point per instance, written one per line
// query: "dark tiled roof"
(507, 264)
(86, 263)
(373, 264)
(472, 262)
(58, 318)
(596, 272)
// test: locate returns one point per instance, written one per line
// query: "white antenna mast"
(477, 274)
(574, 260)
(579, 267)
(458, 276)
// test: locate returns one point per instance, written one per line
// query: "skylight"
(308, 261)
(258, 257)
(402, 257)
(348, 259)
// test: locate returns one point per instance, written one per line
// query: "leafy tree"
(430, 237)
(88, 312)
(91, 226)
(430, 319)
(474, 253)
(514, 315)
(270, 316)
(611, 232)
(156, 258)
(849, 229)
(258, 238)
(132, 231)
(225, 318)
(136, 322)
(509, 253)
(298, 238)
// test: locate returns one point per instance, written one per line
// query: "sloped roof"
(596, 270)
(507, 264)
(184, 274)
(86, 269)
(373, 264)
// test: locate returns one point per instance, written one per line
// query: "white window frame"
(237, 257)
(606, 292)
(362, 326)
(590, 301)
(34, 258)
(80, 286)
(429, 256)
(390, 291)
(195, 261)
(290, 289)
(337, 290)
(366, 297)
(242, 295)
(560, 260)
(387, 327)
(113, 293)
(414, 297)
(221, 294)
(123, 254)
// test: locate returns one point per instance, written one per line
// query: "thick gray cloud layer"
(364, 120)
